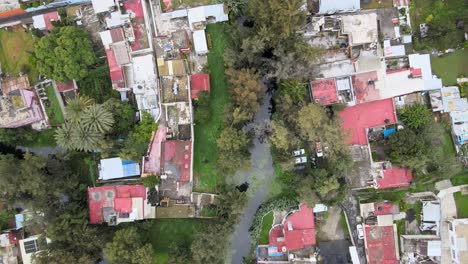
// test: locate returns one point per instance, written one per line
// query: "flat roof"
(332, 6)
(115, 168)
(356, 119)
(364, 85)
(381, 247)
(430, 211)
(423, 62)
(199, 42)
(361, 28)
(101, 6)
(394, 51)
(100, 198)
(395, 177)
(199, 82)
(385, 208)
(199, 14)
(152, 161)
(138, 23)
(324, 91)
(177, 156)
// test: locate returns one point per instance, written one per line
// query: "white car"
(360, 231)
(301, 160)
(318, 149)
(298, 152)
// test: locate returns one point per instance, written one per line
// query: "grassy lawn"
(206, 134)
(14, 48)
(164, 232)
(449, 149)
(448, 67)
(39, 139)
(266, 226)
(53, 110)
(460, 179)
(462, 204)
(373, 4)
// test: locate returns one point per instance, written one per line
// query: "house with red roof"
(118, 204)
(380, 232)
(293, 239)
(199, 83)
(44, 21)
(362, 122)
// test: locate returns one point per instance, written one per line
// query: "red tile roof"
(116, 197)
(199, 82)
(324, 91)
(116, 72)
(359, 117)
(152, 163)
(11, 13)
(364, 90)
(117, 34)
(138, 22)
(395, 177)
(385, 208)
(49, 17)
(301, 235)
(63, 87)
(380, 245)
(177, 156)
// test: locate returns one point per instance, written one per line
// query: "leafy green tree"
(65, 54)
(281, 138)
(64, 136)
(127, 247)
(408, 149)
(203, 109)
(245, 89)
(236, 7)
(233, 140)
(76, 106)
(5, 217)
(307, 192)
(415, 116)
(315, 126)
(85, 139)
(179, 254)
(210, 247)
(124, 116)
(150, 181)
(97, 118)
(294, 89)
(276, 20)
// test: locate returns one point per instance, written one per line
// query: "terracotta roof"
(359, 117)
(324, 91)
(380, 245)
(11, 13)
(296, 232)
(199, 82)
(395, 177)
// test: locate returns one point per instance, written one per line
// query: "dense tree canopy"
(276, 21)
(65, 54)
(415, 116)
(126, 247)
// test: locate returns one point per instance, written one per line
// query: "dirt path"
(333, 229)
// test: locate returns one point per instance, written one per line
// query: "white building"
(101, 6)
(29, 246)
(199, 42)
(335, 6)
(458, 232)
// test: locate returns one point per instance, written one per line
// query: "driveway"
(351, 207)
(332, 229)
(260, 177)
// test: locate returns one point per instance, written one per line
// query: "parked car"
(301, 160)
(360, 231)
(298, 152)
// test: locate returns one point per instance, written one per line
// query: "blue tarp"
(130, 168)
(388, 132)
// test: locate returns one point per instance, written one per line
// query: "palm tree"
(63, 136)
(85, 139)
(97, 118)
(76, 106)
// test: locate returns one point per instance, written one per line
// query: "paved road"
(42, 151)
(259, 177)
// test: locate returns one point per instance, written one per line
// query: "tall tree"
(276, 20)
(245, 89)
(127, 247)
(210, 247)
(76, 106)
(65, 54)
(408, 149)
(415, 116)
(97, 118)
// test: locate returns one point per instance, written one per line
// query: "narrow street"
(259, 177)
(351, 207)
